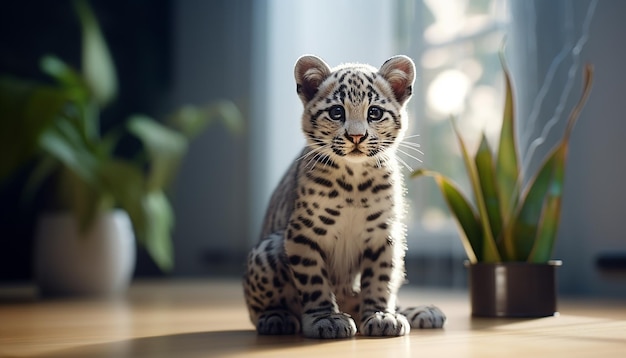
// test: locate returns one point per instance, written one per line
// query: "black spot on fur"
(294, 225)
(365, 185)
(380, 187)
(276, 282)
(315, 295)
(374, 216)
(369, 301)
(326, 220)
(303, 278)
(303, 240)
(345, 186)
(321, 181)
(271, 260)
(307, 222)
(374, 255)
(295, 259)
(256, 309)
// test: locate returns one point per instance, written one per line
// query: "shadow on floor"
(194, 344)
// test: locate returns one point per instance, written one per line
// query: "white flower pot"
(99, 261)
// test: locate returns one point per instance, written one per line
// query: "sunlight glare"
(446, 93)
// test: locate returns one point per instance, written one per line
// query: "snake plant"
(506, 222)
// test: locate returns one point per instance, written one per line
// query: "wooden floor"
(208, 319)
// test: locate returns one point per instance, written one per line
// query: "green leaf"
(80, 187)
(66, 76)
(63, 142)
(97, 63)
(490, 250)
(125, 183)
(84, 199)
(150, 211)
(26, 110)
(548, 224)
(550, 215)
(466, 218)
(486, 173)
(164, 146)
(507, 166)
(159, 223)
(192, 120)
(524, 227)
(44, 168)
(229, 114)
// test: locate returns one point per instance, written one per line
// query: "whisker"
(312, 161)
(313, 156)
(409, 155)
(404, 163)
(307, 154)
(314, 150)
(411, 144)
(326, 160)
(411, 136)
(411, 148)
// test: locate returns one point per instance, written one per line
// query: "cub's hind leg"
(271, 298)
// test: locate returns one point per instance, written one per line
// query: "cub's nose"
(356, 138)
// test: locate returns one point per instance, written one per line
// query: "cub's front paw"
(334, 325)
(385, 324)
(425, 316)
(277, 322)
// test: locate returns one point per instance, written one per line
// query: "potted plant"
(509, 231)
(102, 200)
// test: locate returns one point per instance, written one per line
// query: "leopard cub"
(331, 256)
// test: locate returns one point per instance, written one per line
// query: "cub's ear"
(399, 71)
(310, 71)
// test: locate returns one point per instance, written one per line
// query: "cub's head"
(354, 111)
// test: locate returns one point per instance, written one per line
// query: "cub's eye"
(337, 113)
(374, 113)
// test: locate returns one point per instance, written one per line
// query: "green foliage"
(508, 223)
(58, 127)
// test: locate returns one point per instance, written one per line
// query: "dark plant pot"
(513, 289)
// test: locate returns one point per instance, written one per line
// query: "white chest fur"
(363, 203)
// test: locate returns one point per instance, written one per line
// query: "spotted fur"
(331, 255)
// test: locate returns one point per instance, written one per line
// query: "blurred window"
(455, 44)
